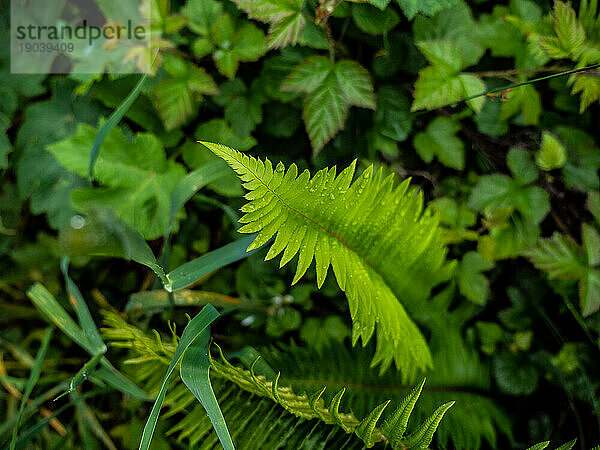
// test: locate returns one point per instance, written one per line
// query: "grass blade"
(114, 118)
(192, 183)
(190, 272)
(194, 370)
(55, 314)
(193, 329)
(104, 234)
(31, 382)
(81, 309)
(82, 374)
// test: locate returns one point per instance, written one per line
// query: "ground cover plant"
(308, 224)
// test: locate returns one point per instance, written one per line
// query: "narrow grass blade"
(194, 370)
(114, 118)
(104, 234)
(33, 430)
(31, 382)
(192, 183)
(82, 374)
(190, 272)
(55, 314)
(193, 329)
(81, 309)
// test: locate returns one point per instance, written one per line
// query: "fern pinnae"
(384, 249)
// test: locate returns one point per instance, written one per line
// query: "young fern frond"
(385, 250)
(314, 409)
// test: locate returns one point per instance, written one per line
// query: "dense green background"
(513, 176)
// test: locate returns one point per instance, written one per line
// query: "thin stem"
(516, 85)
(512, 72)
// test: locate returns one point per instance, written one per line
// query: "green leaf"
(591, 244)
(514, 375)
(178, 96)
(114, 119)
(500, 191)
(392, 114)
(192, 271)
(552, 154)
(285, 16)
(438, 85)
(194, 371)
(372, 20)
(454, 24)
(589, 86)
(137, 179)
(521, 165)
(593, 205)
(471, 282)
(248, 43)
(525, 99)
(40, 177)
(331, 90)
(308, 75)
(194, 330)
(34, 377)
(355, 83)
(56, 315)
(559, 257)
(324, 113)
(439, 140)
(569, 31)
(243, 106)
(202, 15)
(428, 7)
(445, 54)
(101, 233)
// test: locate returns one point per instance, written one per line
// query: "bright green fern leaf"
(384, 249)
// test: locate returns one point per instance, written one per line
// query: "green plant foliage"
(442, 156)
(303, 211)
(331, 89)
(137, 178)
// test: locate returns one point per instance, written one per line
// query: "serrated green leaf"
(355, 84)
(422, 437)
(308, 75)
(428, 7)
(521, 166)
(373, 20)
(439, 140)
(324, 112)
(243, 106)
(137, 179)
(471, 282)
(552, 154)
(439, 86)
(178, 96)
(525, 99)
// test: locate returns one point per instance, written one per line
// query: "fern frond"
(383, 247)
(473, 419)
(152, 354)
